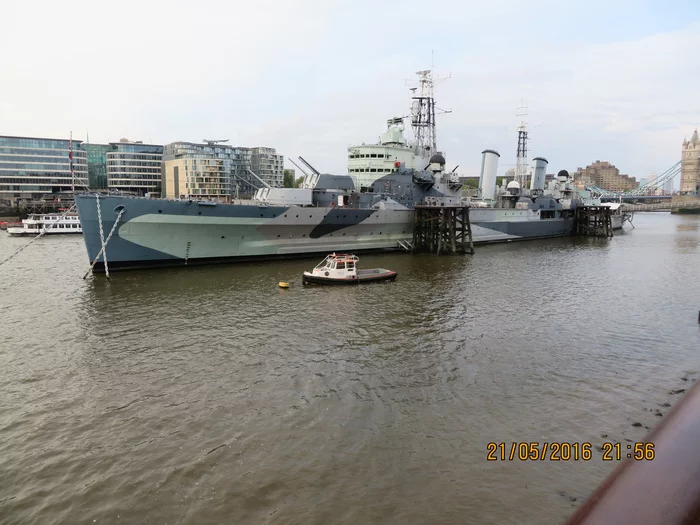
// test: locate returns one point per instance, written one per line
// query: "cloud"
(610, 81)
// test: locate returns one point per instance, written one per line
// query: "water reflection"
(211, 392)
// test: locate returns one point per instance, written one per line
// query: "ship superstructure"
(369, 162)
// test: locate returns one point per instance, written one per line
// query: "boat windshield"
(338, 262)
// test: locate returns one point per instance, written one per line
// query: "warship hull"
(163, 233)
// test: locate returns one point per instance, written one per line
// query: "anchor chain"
(46, 229)
(103, 250)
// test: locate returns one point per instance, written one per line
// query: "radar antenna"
(214, 142)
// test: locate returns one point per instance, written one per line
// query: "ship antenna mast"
(521, 171)
(423, 114)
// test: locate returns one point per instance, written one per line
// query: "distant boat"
(342, 269)
(48, 224)
(618, 215)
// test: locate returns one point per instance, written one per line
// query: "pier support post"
(442, 229)
(593, 221)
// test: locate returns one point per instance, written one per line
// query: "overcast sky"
(613, 80)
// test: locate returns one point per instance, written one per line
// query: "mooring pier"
(593, 221)
(442, 230)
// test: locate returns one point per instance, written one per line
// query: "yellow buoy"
(283, 284)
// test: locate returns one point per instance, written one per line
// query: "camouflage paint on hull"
(161, 233)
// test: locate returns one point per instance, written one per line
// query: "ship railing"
(663, 487)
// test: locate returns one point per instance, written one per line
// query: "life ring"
(326, 274)
(332, 204)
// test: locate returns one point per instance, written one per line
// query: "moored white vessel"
(342, 269)
(47, 224)
(618, 216)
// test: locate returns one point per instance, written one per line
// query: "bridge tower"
(690, 166)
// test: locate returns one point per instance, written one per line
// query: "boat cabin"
(339, 266)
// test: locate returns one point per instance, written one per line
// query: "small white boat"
(618, 215)
(48, 224)
(342, 269)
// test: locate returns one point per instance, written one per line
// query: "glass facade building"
(97, 165)
(134, 167)
(31, 168)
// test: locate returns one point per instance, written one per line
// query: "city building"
(509, 174)
(658, 189)
(668, 187)
(32, 167)
(690, 166)
(268, 165)
(368, 162)
(218, 171)
(97, 165)
(604, 175)
(198, 170)
(134, 167)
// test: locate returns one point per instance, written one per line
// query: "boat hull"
(156, 233)
(21, 232)
(363, 277)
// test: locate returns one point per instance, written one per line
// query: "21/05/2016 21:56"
(568, 451)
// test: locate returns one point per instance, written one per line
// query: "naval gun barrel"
(665, 490)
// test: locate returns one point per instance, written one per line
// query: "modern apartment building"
(268, 165)
(198, 170)
(134, 167)
(218, 171)
(690, 166)
(32, 167)
(605, 176)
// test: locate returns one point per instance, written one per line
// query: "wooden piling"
(442, 229)
(593, 221)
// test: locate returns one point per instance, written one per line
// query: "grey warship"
(328, 213)
(328, 217)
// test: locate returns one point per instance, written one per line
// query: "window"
(340, 266)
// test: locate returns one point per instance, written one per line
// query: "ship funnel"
(487, 179)
(539, 170)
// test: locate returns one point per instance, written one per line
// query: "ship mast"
(521, 171)
(423, 114)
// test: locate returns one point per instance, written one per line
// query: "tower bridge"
(688, 168)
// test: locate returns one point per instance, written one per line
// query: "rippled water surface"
(210, 395)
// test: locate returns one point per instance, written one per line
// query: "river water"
(210, 395)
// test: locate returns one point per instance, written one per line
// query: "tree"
(288, 179)
(298, 182)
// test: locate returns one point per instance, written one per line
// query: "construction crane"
(214, 142)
